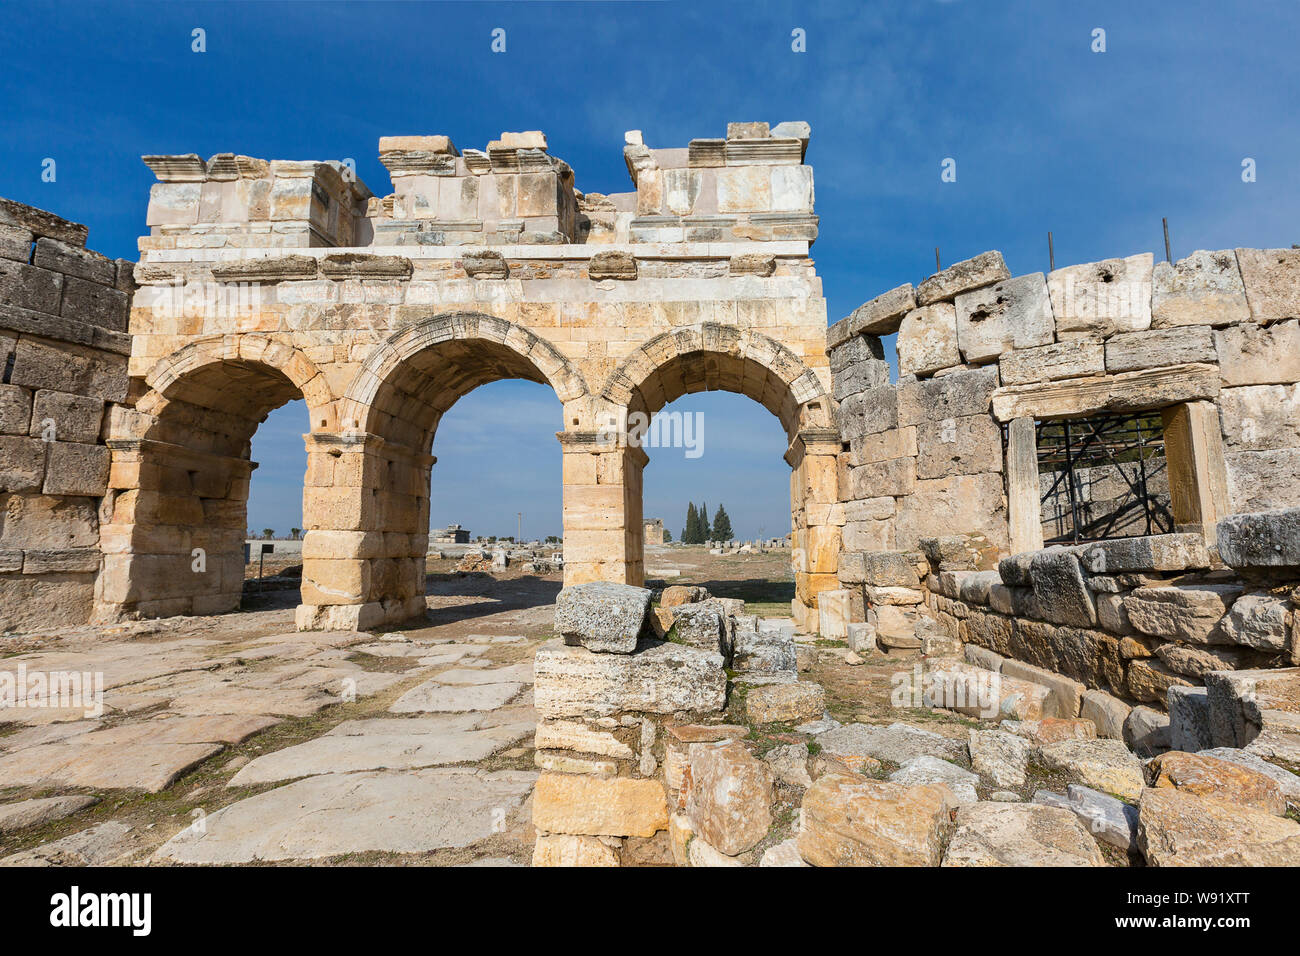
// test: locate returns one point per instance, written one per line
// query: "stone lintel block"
(1127, 391)
(985, 269)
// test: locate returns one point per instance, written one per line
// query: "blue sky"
(1046, 134)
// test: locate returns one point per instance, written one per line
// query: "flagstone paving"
(259, 743)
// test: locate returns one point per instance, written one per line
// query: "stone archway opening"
(366, 545)
(175, 517)
(725, 358)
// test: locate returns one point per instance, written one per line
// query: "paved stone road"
(266, 745)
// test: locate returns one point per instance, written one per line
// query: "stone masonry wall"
(940, 485)
(63, 377)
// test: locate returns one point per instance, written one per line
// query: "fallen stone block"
(729, 801)
(850, 820)
(1000, 756)
(785, 703)
(934, 771)
(1180, 829)
(1219, 780)
(1189, 719)
(1107, 712)
(1105, 765)
(602, 616)
(1147, 731)
(1020, 834)
(1185, 612)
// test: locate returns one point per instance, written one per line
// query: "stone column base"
(358, 617)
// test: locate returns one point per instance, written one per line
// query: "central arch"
(364, 548)
(712, 357)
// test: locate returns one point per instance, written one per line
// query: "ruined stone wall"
(940, 483)
(63, 378)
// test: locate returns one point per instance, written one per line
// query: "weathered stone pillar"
(1198, 479)
(1024, 495)
(366, 515)
(816, 517)
(602, 509)
(172, 527)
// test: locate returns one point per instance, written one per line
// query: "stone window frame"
(1185, 396)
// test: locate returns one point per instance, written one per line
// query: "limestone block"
(1186, 612)
(785, 703)
(587, 805)
(959, 446)
(1241, 702)
(1272, 280)
(1013, 314)
(602, 616)
(44, 522)
(1070, 359)
(1260, 417)
(15, 409)
(30, 287)
(1162, 552)
(1020, 834)
(730, 797)
(1146, 731)
(1153, 348)
(1261, 621)
(927, 339)
(1103, 298)
(881, 316)
(1261, 540)
(1182, 829)
(792, 188)
(893, 478)
(1104, 765)
(1263, 480)
(850, 820)
(702, 625)
(1066, 695)
(22, 463)
(66, 417)
(72, 260)
(1150, 680)
(744, 189)
(663, 679)
(562, 849)
(1251, 354)
(1203, 289)
(173, 204)
(985, 269)
(1220, 780)
(974, 503)
(833, 614)
(955, 395)
(1060, 588)
(70, 369)
(16, 243)
(1107, 713)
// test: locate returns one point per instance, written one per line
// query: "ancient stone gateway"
(261, 282)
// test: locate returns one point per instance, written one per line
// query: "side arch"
(712, 357)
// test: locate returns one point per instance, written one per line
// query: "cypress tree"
(705, 529)
(692, 524)
(722, 525)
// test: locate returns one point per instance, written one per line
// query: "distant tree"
(268, 533)
(668, 536)
(692, 524)
(294, 532)
(722, 525)
(552, 539)
(705, 528)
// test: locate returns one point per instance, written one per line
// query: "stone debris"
(785, 853)
(1105, 765)
(927, 770)
(1176, 828)
(898, 743)
(1000, 756)
(785, 703)
(1106, 818)
(1020, 834)
(1207, 776)
(602, 616)
(849, 820)
(730, 797)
